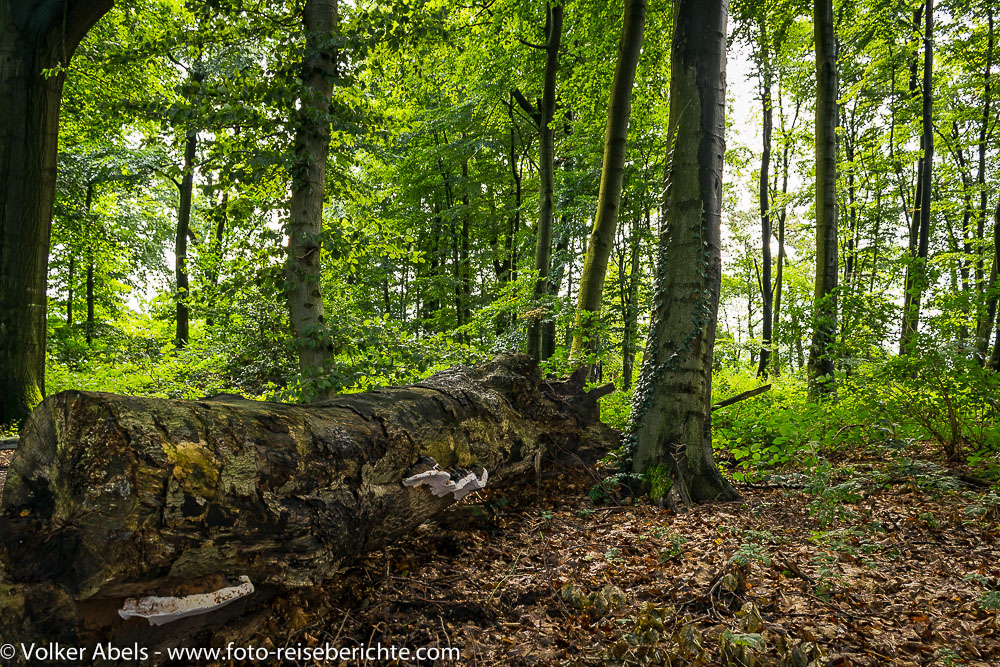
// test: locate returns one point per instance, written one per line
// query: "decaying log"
(113, 496)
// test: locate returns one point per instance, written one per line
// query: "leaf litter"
(902, 571)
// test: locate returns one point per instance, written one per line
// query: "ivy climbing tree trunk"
(34, 36)
(595, 265)
(305, 209)
(671, 429)
(825, 297)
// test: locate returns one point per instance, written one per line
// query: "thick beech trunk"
(303, 266)
(111, 496)
(34, 36)
(671, 410)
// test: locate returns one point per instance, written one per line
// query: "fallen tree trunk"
(116, 496)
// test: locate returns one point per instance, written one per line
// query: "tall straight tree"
(984, 324)
(305, 208)
(766, 291)
(825, 297)
(916, 270)
(186, 192)
(671, 423)
(540, 337)
(595, 265)
(34, 37)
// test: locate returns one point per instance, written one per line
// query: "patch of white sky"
(744, 134)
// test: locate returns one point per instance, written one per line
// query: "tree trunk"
(556, 273)
(112, 496)
(991, 302)
(34, 36)
(303, 267)
(916, 272)
(186, 192)
(546, 173)
(825, 296)
(630, 297)
(221, 215)
(89, 334)
(766, 293)
(988, 289)
(671, 431)
(465, 269)
(595, 265)
(70, 295)
(782, 216)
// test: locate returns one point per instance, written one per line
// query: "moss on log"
(111, 496)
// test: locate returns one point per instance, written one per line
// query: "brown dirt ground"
(5, 457)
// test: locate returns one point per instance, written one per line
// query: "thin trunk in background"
(782, 216)
(988, 289)
(916, 271)
(595, 265)
(766, 292)
(186, 193)
(546, 173)
(825, 293)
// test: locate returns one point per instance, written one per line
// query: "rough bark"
(595, 265)
(671, 430)
(112, 496)
(305, 208)
(546, 170)
(34, 36)
(825, 299)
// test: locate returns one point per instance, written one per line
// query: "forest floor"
(5, 457)
(883, 563)
(863, 563)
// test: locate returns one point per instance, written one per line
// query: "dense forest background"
(177, 157)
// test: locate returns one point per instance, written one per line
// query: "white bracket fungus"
(159, 610)
(441, 482)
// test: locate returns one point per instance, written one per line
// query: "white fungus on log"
(441, 482)
(160, 610)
